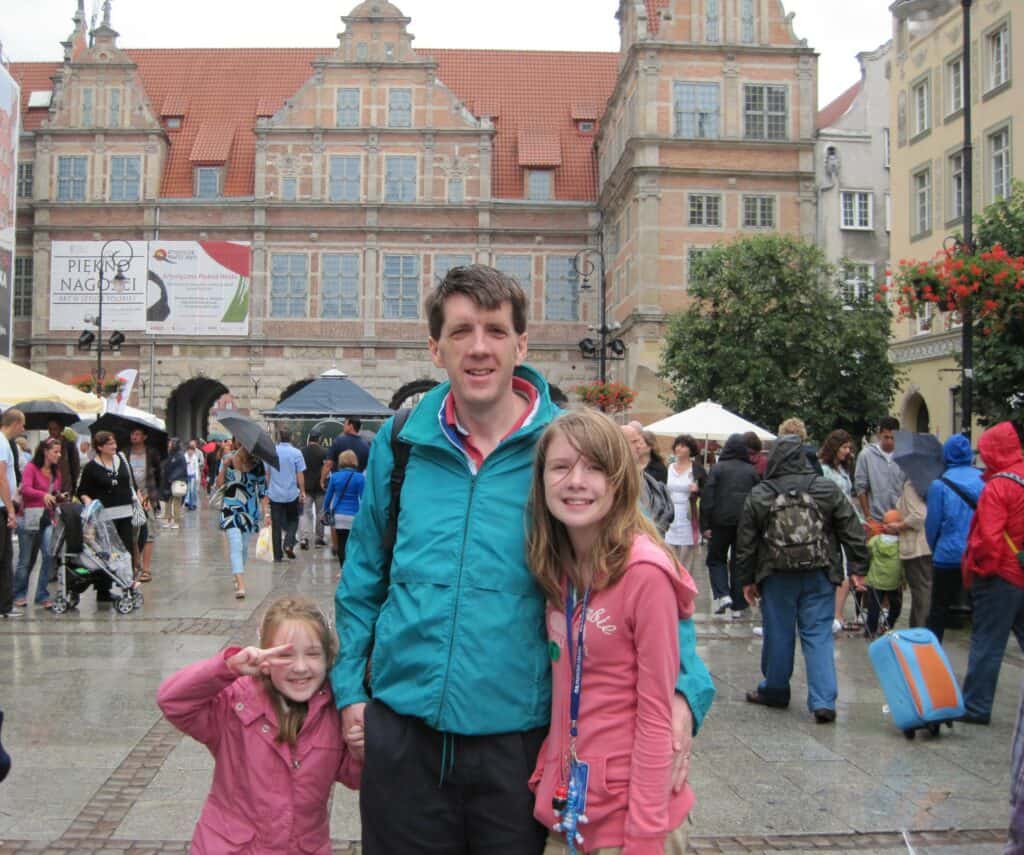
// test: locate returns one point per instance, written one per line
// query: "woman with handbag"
(40, 489)
(341, 501)
(175, 484)
(241, 486)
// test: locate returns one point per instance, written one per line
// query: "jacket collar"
(253, 703)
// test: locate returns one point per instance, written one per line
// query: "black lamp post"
(120, 260)
(604, 348)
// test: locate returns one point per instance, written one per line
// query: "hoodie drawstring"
(447, 757)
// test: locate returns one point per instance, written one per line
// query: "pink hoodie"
(630, 668)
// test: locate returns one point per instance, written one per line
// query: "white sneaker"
(720, 606)
(837, 626)
(759, 631)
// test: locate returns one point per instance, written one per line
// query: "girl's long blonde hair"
(549, 550)
(290, 715)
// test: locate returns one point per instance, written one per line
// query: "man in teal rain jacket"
(460, 670)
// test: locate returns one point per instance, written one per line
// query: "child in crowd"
(615, 596)
(268, 717)
(885, 579)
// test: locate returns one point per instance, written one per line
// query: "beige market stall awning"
(21, 384)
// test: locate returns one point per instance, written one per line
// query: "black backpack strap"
(963, 494)
(400, 454)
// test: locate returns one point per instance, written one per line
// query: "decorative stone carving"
(901, 118)
(919, 58)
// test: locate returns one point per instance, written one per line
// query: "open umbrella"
(122, 426)
(920, 457)
(38, 414)
(251, 435)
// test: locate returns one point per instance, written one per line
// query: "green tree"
(768, 336)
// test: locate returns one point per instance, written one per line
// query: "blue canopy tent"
(331, 394)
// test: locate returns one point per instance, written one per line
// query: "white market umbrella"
(707, 420)
(22, 384)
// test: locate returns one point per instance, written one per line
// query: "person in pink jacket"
(268, 717)
(615, 596)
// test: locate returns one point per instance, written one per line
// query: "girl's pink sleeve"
(194, 699)
(655, 612)
(33, 484)
(350, 772)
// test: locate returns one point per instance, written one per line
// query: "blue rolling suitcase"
(917, 679)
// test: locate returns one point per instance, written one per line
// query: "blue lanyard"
(575, 657)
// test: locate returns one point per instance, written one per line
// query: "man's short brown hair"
(12, 416)
(488, 288)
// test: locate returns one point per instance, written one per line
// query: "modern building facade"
(927, 169)
(360, 174)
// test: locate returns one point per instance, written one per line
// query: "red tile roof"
(212, 143)
(830, 113)
(588, 111)
(653, 17)
(175, 104)
(230, 87)
(538, 147)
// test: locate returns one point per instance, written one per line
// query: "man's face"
(886, 441)
(479, 349)
(350, 428)
(53, 428)
(138, 436)
(641, 453)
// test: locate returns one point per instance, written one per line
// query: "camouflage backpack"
(795, 535)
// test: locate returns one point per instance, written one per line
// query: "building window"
(956, 186)
(400, 108)
(705, 209)
(759, 212)
(856, 282)
(540, 185)
(693, 270)
(401, 297)
(561, 289)
(443, 262)
(345, 178)
(922, 184)
(955, 84)
(998, 57)
(585, 126)
(400, 178)
(747, 21)
(23, 286)
(71, 177)
(348, 108)
(888, 212)
(289, 188)
(339, 285)
(886, 148)
(125, 178)
(711, 21)
(26, 175)
(999, 160)
(389, 50)
(289, 285)
(764, 112)
(856, 209)
(519, 267)
(456, 191)
(922, 98)
(173, 123)
(923, 318)
(362, 52)
(697, 110)
(87, 108)
(114, 107)
(207, 180)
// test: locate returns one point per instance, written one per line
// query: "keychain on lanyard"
(570, 801)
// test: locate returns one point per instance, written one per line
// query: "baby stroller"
(87, 548)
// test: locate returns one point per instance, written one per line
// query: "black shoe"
(290, 552)
(824, 716)
(971, 718)
(304, 544)
(320, 542)
(755, 697)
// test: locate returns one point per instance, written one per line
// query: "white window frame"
(997, 44)
(519, 267)
(698, 109)
(888, 212)
(201, 175)
(955, 166)
(561, 289)
(763, 211)
(72, 186)
(26, 179)
(856, 210)
(763, 114)
(921, 97)
(342, 184)
(704, 210)
(921, 206)
(999, 164)
(289, 188)
(540, 185)
(400, 286)
(400, 187)
(748, 22)
(339, 285)
(886, 148)
(856, 281)
(955, 84)
(88, 117)
(399, 114)
(114, 107)
(122, 182)
(712, 21)
(289, 285)
(24, 268)
(347, 114)
(456, 190)
(923, 319)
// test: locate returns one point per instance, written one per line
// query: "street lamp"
(584, 267)
(120, 259)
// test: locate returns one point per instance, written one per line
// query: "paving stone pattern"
(98, 770)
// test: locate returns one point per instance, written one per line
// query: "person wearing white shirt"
(12, 424)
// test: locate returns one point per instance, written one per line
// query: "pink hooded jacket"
(630, 668)
(267, 798)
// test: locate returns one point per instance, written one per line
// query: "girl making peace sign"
(268, 718)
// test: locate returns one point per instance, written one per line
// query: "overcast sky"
(31, 30)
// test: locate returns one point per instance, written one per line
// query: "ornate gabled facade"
(360, 174)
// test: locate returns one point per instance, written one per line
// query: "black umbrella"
(920, 457)
(39, 413)
(122, 426)
(251, 435)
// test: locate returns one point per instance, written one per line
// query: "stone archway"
(410, 394)
(188, 407)
(915, 414)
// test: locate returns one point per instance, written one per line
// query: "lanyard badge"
(570, 800)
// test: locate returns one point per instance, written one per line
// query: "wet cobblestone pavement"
(97, 769)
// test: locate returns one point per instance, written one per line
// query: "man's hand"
(750, 594)
(352, 729)
(858, 583)
(682, 740)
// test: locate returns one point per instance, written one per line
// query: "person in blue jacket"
(951, 502)
(341, 501)
(460, 671)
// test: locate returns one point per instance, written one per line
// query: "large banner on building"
(10, 102)
(198, 288)
(74, 283)
(195, 288)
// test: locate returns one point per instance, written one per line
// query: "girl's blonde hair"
(291, 715)
(549, 550)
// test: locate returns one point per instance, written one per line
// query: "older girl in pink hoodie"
(268, 717)
(615, 597)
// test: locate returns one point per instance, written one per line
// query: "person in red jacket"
(992, 568)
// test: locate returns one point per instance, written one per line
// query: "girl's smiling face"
(299, 673)
(576, 490)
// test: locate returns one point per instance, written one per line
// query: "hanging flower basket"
(87, 383)
(610, 397)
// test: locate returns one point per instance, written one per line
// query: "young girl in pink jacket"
(615, 597)
(268, 717)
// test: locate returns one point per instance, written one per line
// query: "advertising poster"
(198, 288)
(74, 269)
(9, 112)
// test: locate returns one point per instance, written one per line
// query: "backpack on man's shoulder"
(795, 534)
